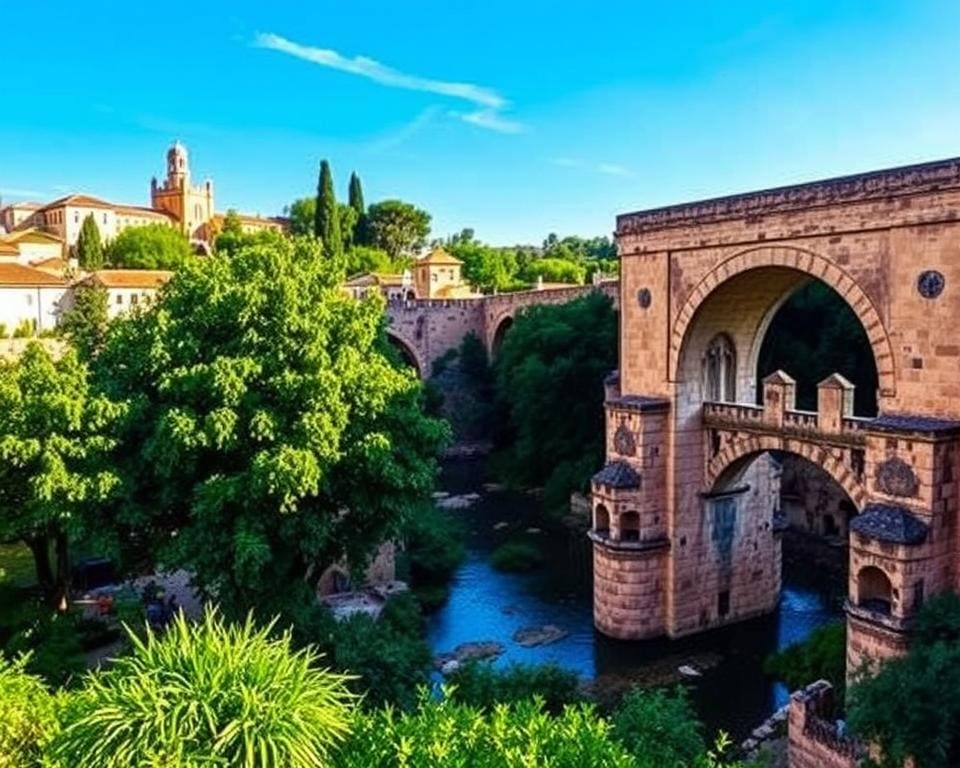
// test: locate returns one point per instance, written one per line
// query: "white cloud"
(612, 169)
(608, 169)
(490, 103)
(405, 132)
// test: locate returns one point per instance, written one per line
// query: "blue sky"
(514, 118)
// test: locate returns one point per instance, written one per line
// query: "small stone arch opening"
(601, 520)
(630, 526)
(404, 354)
(500, 334)
(874, 590)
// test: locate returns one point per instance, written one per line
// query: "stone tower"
(192, 205)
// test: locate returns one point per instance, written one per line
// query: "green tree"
(206, 694)
(555, 271)
(355, 201)
(155, 246)
(822, 656)
(89, 247)
(361, 259)
(911, 706)
(270, 435)
(485, 267)
(348, 224)
(397, 227)
(55, 434)
(85, 323)
(303, 214)
(231, 236)
(549, 375)
(659, 729)
(327, 222)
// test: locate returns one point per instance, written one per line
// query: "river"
(732, 692)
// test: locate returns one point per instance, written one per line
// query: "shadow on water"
(733, 693)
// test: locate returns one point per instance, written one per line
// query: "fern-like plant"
(206, 694)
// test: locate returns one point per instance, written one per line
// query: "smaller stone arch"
(502, 326)
(408, 351)
(630, 526)
(601, 520)
(741, 452)
(874, 590)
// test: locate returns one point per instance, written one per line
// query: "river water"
(732, 692)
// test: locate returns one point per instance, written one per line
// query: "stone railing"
(733, 411)
(604, 538)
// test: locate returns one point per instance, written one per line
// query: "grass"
(16, 565)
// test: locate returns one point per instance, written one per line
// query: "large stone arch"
(800, 260)
(412, 353)
(745, 449)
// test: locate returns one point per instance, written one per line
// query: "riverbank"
(727, 686)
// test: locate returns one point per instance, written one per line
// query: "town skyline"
(549, 123)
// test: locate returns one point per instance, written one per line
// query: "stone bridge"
(424, 329)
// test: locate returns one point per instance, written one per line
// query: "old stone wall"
(813, 740)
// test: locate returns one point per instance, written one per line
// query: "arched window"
(874, 591)
(720, 370)
(601, 520)
(630, 526)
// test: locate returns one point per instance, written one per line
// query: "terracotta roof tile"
(129, 278)
(21, 275)
(439, 256)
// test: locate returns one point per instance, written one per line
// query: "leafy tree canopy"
(549, 385)
(397, 227)
(270, 434)
(302, 213)
(155, 246)
(55, 436)
(555, 271)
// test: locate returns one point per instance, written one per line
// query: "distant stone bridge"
(424, 329)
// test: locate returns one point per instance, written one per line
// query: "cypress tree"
(89, 248)
(355, 201)
(326, 225)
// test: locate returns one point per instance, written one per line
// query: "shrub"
(386, 658)
(206, 694)
(479, 684)
(516, 556)
(446, 734)
(911, 706)
(50, 640)
(822, 656)
(25, 329)
(434, 550)
(659, 729)
(27, 715)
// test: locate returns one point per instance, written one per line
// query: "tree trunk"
(40, 547)
(62, 593)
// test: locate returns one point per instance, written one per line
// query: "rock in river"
(531, 636)
(450, 662)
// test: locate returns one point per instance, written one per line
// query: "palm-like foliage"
(210, 694)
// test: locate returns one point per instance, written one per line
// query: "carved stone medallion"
(930, 284)
(895, 478)
(624, 442)
(644, 298)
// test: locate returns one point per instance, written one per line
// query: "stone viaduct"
(686, 514)
(424, 329)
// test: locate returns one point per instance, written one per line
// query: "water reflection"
(488, 605)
